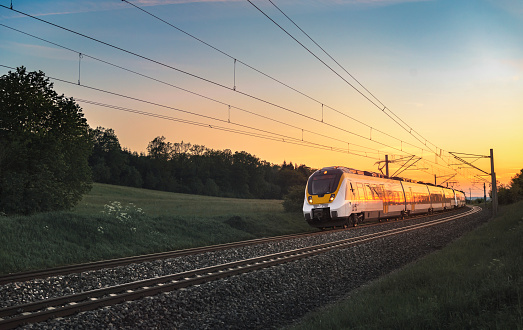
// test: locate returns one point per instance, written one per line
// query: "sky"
(403, 78)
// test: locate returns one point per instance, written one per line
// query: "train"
(340, 196)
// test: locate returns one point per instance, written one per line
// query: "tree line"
(193, 169)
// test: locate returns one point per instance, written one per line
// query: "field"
(474, 283)
(114, 221)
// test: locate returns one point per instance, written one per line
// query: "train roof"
(379, 175)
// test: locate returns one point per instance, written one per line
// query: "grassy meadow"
(474, 283)
(115, 221)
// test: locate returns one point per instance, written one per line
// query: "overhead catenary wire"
(179, 70)
(405, 126)
(288, 140)
(208, 80)
(192, 92)
(272, 78)
(262, 133)
(410, 130)
(326, 53)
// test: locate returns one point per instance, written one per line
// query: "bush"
(293, 201)
(44, 146)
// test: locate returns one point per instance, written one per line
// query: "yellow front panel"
(320, 200)
(325, 199)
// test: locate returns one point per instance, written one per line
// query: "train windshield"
(321, 183)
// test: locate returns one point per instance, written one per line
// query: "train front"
(325, 204)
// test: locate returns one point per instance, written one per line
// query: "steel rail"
(96, 265)
(89, 300)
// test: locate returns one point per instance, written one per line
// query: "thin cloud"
(74, 7)
(67, 8)
(43, 51)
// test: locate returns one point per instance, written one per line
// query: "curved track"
(67, 305)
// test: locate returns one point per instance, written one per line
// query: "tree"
(159, 149)
(108, 161)
(45, 145)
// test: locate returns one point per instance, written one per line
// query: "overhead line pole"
(387, 165)
(494, 185)
(492, 175)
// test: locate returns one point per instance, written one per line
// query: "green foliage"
(474, 283)
(293, 201)
(128, 215)
(44, 146)
(512, 192)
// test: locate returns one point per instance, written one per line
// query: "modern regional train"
(340, 196)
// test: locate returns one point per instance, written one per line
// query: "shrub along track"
(62, 306)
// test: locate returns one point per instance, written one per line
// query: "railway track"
(90, 266)
(62, 306)
(78, 268)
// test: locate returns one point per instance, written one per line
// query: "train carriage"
(436, 198)
(418, 200)
(460, 198)
(340, 196)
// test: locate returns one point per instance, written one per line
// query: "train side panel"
(437, 198)
(418, 200)
(366, 195)
(394, 201)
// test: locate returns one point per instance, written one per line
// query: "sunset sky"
(448, 73)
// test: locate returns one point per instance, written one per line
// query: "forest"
(193, 169)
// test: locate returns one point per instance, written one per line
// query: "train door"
(352, 194)
(412, 200)
(385, 199)
(361, 197)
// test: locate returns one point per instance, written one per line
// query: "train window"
(368, 193)
(361, 192)
(320, 183)
(375, 191)
(351, 192)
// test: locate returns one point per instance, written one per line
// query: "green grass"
(159, 203)
(169, 221)
(474, 283)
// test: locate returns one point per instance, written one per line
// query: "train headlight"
(310, 199)
(331, 198)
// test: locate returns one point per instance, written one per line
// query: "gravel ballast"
(268, 298)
